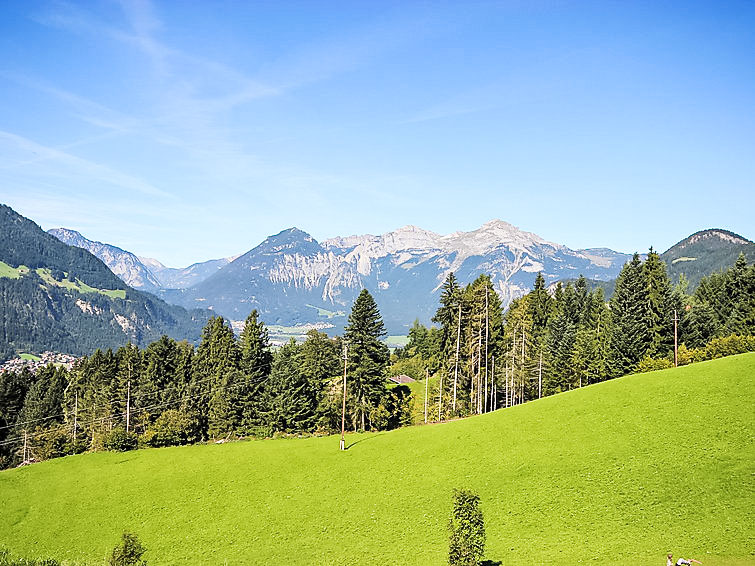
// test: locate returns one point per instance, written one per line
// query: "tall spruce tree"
(256, 365)
(630, 311)
(367, 356)
(661, 305)
(216, 378)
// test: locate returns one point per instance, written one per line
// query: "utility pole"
(128, 405)
(478, 401)
(24, 460)
(343, 409)
(75, 416)
(676, 351)
(456, 365)
(427, 382)
(513, 366)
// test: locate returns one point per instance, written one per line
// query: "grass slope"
(618, 472)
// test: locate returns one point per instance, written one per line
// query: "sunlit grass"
(619, 472)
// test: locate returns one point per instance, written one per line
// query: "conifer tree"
(449, 315)
(256, 364)
(367, 356)
(157, 385)
(291, 401)
(216, 378)
(661, 305)
(320, 363)
(630, 312)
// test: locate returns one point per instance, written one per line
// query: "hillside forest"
(477, 357)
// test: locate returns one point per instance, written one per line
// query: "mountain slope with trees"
(705, 252)
(141, 273)
(63, 298)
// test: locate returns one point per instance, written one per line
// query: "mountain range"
(63, 298)
(142, 273)
(291, 278)
(67, 297)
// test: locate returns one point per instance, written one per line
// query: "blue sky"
(187, 131)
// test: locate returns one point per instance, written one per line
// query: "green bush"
(466, 529)
(129, 552)
(118, 440)
(652, 364)
(52, 442)
(729, 346)
(172, 428)
(684, 355)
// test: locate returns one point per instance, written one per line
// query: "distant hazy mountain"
(62, 298)
(124, 264)
(183, 277)
(141, 272)
(291, 278)
(706, 252)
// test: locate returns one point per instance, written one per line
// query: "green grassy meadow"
(78, 285)
(327, 313)
(620, 472)
(29, 357)
(12, 272)
(46, 275)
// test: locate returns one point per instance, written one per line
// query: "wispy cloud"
(30, 153)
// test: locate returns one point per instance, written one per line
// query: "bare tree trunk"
(522, 362)
(513, 367)
(540, 376)
(456, 364)
(487, 335)
(427, 382)
(492, 386)
(506, 389)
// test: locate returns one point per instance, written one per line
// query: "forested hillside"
(58, 297)
(479, 358)
(706, 252)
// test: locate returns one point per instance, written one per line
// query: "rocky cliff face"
(142, 273)
(124, 264)
(291, 278)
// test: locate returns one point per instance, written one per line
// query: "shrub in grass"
(129, 552)
(52, 442)
(119, 440)
(466, 530)
(652, 364)
(172, 428)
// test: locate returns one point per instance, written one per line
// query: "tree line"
(554, 340)
(480, 359)
(227, 387)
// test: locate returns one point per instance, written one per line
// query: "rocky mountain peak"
(717, 233)
(290, 240)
